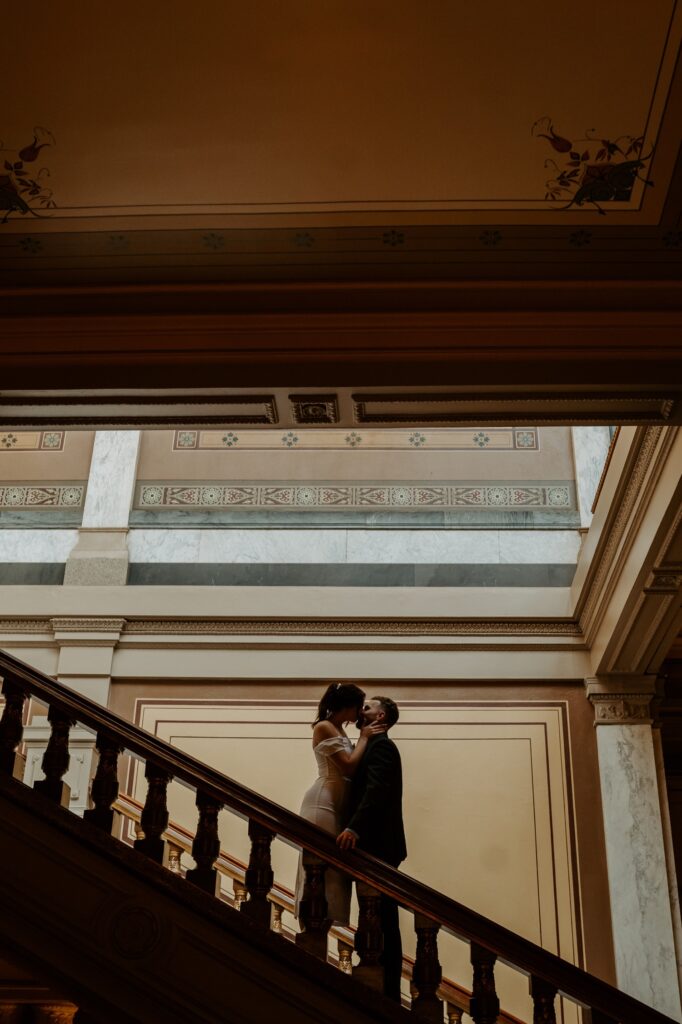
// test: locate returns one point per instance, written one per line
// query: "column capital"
(622, 699)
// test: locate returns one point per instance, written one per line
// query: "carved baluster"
(11, 729)
(154, 819)
(427, 973)
(206, 845)
(369, 938)
(174, 858)
(484, 1005)
(104, 789)
(543, 995)
(313, 908)
(259, 876)
(277, 911)
(453, 1013)
(345, 956)
(239, 890)
(55, 763)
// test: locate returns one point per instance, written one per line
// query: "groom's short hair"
(390, 709)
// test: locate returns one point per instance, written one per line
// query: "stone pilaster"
(86, 649)
(646, 964)
(100, 557)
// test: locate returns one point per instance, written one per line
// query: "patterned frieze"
(32, 441)
(473, 439)
(278, 494)
(41, 495)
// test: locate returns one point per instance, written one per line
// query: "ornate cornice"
(86, 624)
(263, 627)
(25, 626)
(374, 627)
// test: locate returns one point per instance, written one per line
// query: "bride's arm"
(346, 763)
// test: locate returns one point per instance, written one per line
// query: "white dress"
(325, 805)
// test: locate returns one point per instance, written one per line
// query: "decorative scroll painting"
(23, 178)
(592, 170)
(466, 439)
(280, 494)
(32, 441)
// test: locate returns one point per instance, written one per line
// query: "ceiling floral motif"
(22, 187)
(592, 169)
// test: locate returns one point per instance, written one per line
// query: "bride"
(325, 802)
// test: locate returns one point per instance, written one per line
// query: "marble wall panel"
(36, 545)
(521, 546)
(352, 546)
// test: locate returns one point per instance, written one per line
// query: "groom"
(376, 822)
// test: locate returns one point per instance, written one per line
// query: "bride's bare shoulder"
(323, 731)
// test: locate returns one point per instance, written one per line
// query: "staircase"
(127, 939)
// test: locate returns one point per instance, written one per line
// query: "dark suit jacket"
(376, 802)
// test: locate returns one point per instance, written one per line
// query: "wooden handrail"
(460, 921)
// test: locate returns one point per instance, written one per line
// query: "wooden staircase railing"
(179, 841)
(548, 974)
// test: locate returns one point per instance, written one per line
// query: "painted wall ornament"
(592, 170)
(22, 188)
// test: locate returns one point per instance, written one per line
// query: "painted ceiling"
(340, 138)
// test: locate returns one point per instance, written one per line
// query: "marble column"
(100, 557)
(641, 915)
(590, 448)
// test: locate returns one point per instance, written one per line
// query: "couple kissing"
(357, 796)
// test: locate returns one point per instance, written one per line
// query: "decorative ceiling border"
(32, 441)
(375, 439)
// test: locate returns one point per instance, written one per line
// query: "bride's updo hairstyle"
(336, 697)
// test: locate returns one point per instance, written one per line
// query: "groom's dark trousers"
(376, 817)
